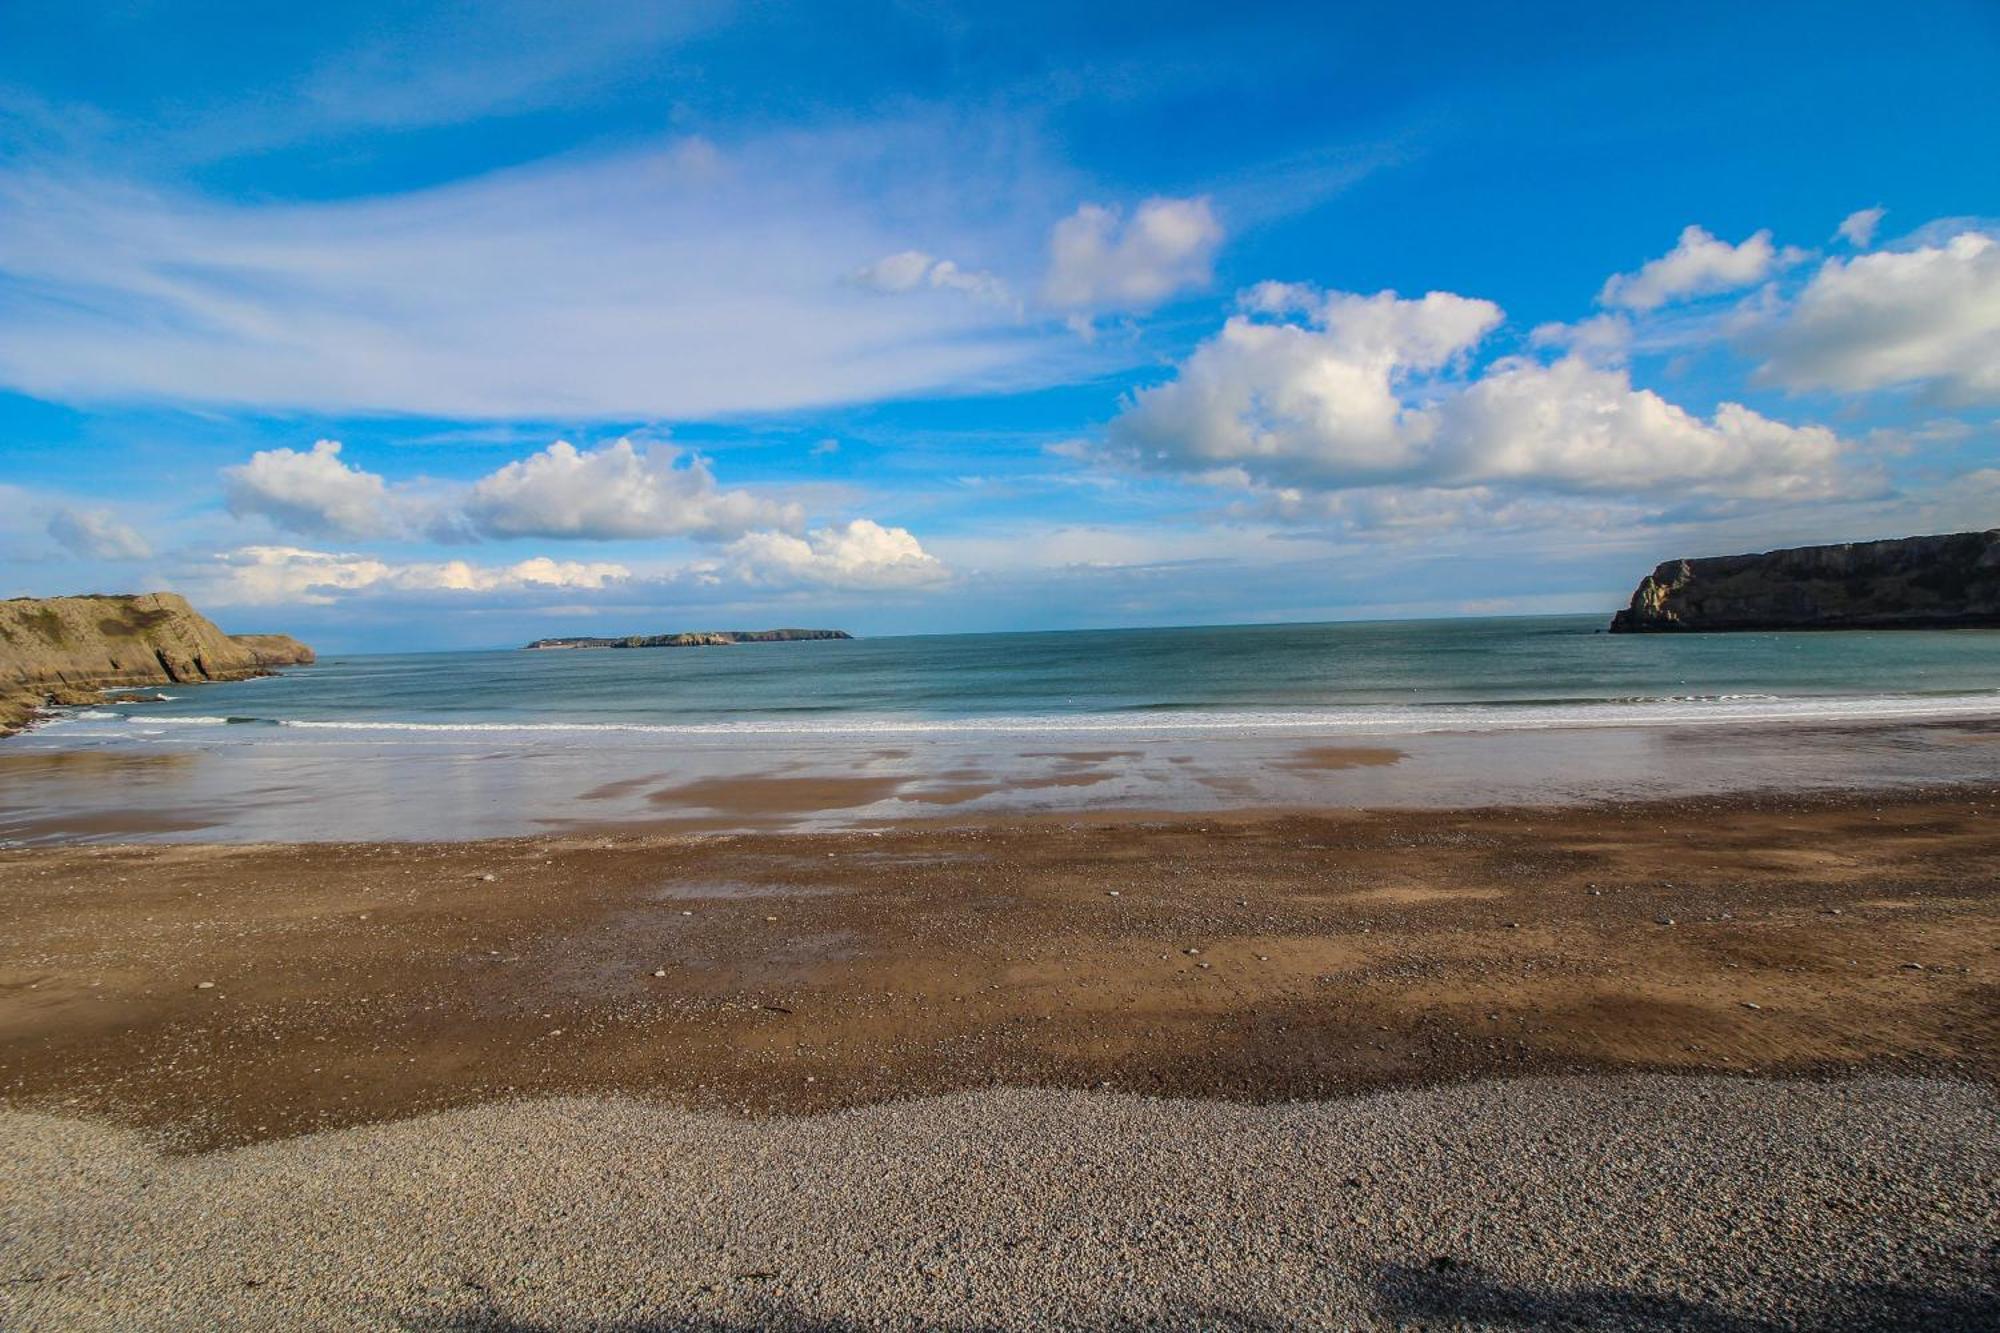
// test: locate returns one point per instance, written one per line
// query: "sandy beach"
(492, 1066)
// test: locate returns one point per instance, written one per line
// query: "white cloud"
(1699, 265)
(1601, 339)
(913, 270)
(1318, 404)
(684, 280)
(275, 575)
(862, 554)
(98, 534)
(1925, 315)
(1362, 395)
(1575, 427)
(904, 271)
(1165, 247)
(617, 491)
(313, 493)
(1858, 228)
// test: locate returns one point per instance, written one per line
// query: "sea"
(870, 731)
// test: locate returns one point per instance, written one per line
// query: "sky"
(429, 326)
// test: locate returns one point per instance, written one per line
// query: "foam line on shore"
(1383, 720)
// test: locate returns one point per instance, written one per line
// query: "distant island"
(709, 638)
(1951, 581)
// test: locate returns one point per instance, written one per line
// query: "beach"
(1463, 974)
(549, 1046)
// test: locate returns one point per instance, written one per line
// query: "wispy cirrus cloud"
(669, 282)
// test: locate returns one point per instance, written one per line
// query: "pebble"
(204, 985)
(1498, 1204)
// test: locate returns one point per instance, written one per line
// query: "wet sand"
(1255, 957)
(267, 784)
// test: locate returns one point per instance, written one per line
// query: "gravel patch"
(1643, 1202)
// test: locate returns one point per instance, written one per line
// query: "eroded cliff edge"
(1942, 582)
(67, 649)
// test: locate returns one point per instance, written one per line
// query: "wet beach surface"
(190, 787)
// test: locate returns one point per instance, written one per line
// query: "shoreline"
(251, 785)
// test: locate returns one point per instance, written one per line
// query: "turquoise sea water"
(1552, 671)
(853, 734)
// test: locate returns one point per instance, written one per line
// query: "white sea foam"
(1709, 710)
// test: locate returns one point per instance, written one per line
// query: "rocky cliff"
(707, 638)
(66, 649)
(1937, 582)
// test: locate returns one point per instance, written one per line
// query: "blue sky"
(456, 325)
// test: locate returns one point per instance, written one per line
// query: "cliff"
(66, 649)
(1940, 582)
(711, 638)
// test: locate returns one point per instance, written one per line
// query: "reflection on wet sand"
(283, 788)
(1333, 758)
(776, 796)
(105, 763)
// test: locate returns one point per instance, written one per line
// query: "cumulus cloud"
(1925, 315)
(618, 491)
(312, 492)
(860, 555)
(1572, 426)
(1369, 391)
(1319, 402)
(271, 575)
(1100, 259)
(1858, 228)
(1699, 265)
(98, 534)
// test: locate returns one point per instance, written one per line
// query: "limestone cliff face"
(66, 648)
(1909, 583)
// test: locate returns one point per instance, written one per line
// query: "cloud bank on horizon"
(421, 329)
